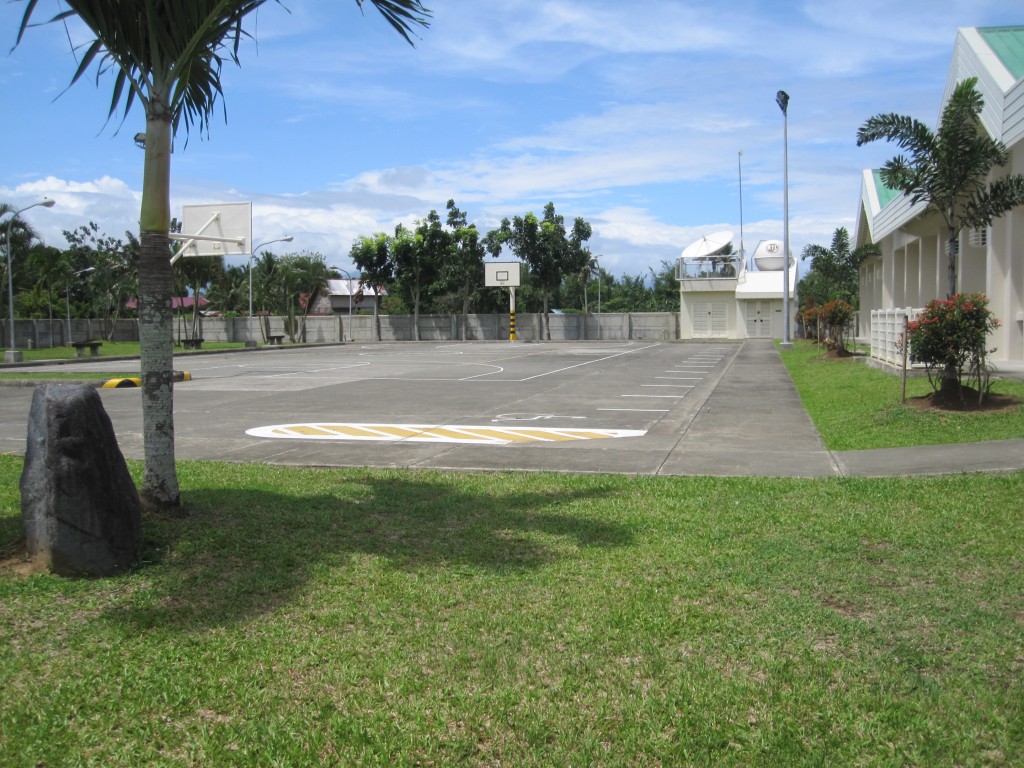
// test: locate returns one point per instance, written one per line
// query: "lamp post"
(782, 99)
(67, 298)
(348, 276)
(739, 161)
(12, 355)
(251, 342)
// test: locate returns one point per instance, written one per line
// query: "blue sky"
(629, 114)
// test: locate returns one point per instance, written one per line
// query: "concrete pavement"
(704, 409)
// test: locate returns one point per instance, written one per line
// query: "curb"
(135, 381)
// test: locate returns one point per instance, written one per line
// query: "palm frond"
(403, 15)
(170, 53)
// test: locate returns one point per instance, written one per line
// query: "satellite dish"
(768, 256)
(707, 246)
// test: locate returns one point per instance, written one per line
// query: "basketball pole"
(512, 313)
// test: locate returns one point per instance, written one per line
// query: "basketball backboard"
(501, 274)
(216, 229)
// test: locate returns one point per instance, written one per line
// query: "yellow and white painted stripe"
(438, 433)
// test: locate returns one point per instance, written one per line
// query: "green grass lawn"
(115, 349)
(383, 618)
(386, 618)
(855, 406)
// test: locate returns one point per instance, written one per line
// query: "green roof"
(1008, 44)
(885, 194)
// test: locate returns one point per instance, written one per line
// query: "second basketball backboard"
(501, 274)
(216, 229)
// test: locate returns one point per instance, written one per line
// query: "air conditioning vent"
(978, 238)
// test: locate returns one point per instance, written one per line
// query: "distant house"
(912, 268)
(343, 294)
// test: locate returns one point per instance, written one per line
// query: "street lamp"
(67, 298)
(348, 275)
(251, 342)
(12, 355)
(782, 99)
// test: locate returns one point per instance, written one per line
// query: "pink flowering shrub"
(951, 337)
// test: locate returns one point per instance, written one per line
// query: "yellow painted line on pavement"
(437, 433)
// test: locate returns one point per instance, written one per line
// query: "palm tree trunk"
(950, 386)
(160, 480)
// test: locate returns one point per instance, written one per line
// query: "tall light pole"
(348, 276)
(251, 342)
(12, 355)
(782, 99)
(739, 160)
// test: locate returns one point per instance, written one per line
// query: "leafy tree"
(465, 263)
(835, 271)
(311, 275)
(949, 169)
(665, 288)
(230, 292)
(420, 259)
(168, 55)
(48, 271)
(197, 273)
(547, 249)
(628, 294)
(113, 268)
(371, 256)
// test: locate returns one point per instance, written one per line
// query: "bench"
(92, 346)
(192, 343)
(275, 341)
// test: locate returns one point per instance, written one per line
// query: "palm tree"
(835, 271)
(168, 54)
(21, 237)
(949, 169)
(590, 271)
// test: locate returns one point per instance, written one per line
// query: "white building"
(725, 297)
(912, 268)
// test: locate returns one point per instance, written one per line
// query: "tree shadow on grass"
(244, 553)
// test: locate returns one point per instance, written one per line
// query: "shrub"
(950, 338)
(830, 323)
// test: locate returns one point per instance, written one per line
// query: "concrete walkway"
(755, 424)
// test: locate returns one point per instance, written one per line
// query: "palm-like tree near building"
(949, 169)
(835, 271)
(167, 55)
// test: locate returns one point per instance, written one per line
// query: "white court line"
(586, 362)
(680, 378)
(637, 410)
(674, 386)
(674, 397)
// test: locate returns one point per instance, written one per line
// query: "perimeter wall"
(640, 326)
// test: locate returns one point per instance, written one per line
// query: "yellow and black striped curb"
(135, 381)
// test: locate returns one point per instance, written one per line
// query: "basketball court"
(592, 406)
